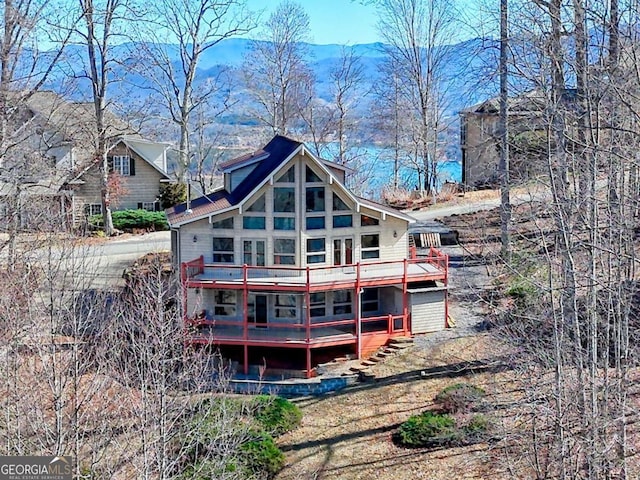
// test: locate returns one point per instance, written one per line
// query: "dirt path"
(347, 435)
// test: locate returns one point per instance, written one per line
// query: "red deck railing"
(365, 332)
(199, 273)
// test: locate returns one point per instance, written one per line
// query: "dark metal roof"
(274, 153)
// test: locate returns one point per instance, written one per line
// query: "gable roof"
(271, 157)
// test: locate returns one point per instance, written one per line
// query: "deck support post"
(358, 319)
(245, 318)
(308, 352)
(405, 299)
(307, 292)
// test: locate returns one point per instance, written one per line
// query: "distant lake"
(374, 170)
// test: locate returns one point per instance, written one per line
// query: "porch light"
(195, 238)
(395, 234)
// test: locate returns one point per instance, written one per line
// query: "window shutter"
(132, 166)
(110, 164)
(87, 209)
(156, 206)
(139, 205)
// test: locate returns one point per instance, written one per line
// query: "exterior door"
(257, 309)
(254, 253)
(343, 251)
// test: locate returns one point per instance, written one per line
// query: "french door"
(343, 251)
(254, 253)
(257, 309)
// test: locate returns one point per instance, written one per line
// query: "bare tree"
(416, 33)
(274, 69)
(195, 26)
(24, 68)
(99, 29)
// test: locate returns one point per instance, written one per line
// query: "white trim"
(126, 142)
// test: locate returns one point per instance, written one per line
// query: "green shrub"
(276, 415)
(426, 430)
(128, 220)
(521, 290)
(257, 456)
(461, 397)
(477, 426)
(261, 455)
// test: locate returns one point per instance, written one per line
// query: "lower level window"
(149, 206)
(93, 209)
(370, 300)
(342, 302)
(317, 303)
(225, 303)
(286, 306)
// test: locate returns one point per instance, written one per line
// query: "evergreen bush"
(461, 397)
(128, 220)
(426, 430)
(276, 415)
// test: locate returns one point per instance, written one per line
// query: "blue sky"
(332, 21)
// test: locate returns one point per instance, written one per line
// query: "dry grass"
(348, 435)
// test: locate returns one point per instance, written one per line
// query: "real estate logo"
(36, 468)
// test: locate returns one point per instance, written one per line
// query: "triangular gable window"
(338, 204)
(289, 176)
(258, 205)
(311, 176)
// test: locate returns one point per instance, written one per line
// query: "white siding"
(144, 186)
(427, 310)
(392, 231)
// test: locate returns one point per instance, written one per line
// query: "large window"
(122, 164)
(250, 222)
(149, 206)
(286, 306)
(254, 223)
(370, 246)
(316, 250)
(284, 223)
(284, 251)
(222, 250)
(342, 302)
(315, 199)
(342, 221)
(284, 199)
(93, 209)
(315, 223)
(226, 224)
(225, 302)
(318, 304)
